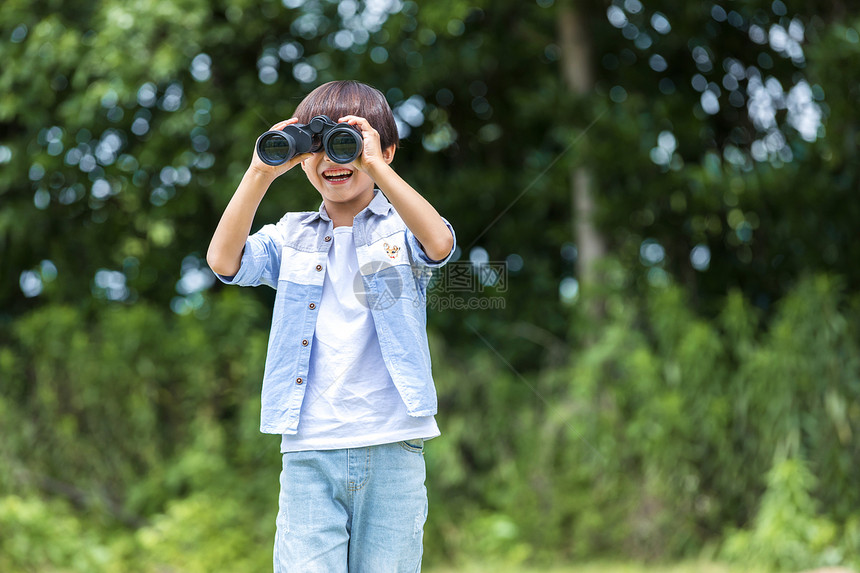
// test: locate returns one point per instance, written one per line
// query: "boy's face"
(336, 182)
(341, 183)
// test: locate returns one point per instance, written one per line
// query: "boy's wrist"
(379, 171)
(260, 175)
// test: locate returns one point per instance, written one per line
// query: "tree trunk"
(576, 62)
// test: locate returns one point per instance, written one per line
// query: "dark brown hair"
(348, 97)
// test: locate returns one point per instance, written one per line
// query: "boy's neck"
(343, 213)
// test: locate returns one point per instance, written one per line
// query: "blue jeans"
(355, 510)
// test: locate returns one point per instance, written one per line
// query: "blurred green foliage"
(661, 436)
(712, 406)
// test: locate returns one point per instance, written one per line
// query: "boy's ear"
(388, 153)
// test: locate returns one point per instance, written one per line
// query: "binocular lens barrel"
(343, 146)
(342, 143)
(275, 147)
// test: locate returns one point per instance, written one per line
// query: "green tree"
(719, 140)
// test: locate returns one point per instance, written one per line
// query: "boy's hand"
(274, 171)
(371, 156)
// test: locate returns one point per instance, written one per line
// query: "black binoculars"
(342, 142)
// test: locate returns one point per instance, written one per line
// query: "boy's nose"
(329, 163)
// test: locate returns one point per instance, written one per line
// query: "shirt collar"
(379, 205)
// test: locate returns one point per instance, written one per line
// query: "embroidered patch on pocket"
(392, 251)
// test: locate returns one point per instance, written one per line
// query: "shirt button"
(312, 306)
(327, 238)
(304, 342)
(319, 267)
(299, 380)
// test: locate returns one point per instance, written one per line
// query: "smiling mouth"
(337, 175)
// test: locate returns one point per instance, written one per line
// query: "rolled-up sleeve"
(261, 259)
(417, 251)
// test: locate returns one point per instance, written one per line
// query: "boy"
(347, 381)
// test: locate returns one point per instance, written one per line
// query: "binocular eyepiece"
(342, 142)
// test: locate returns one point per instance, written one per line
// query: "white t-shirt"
(350, 400)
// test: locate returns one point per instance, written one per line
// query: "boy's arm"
(228, 242)
(225, 250)
(418, 214)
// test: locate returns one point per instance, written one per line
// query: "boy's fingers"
(354, 119)
(362, 123)
(283, 124)
(302, 157)
(298, 159)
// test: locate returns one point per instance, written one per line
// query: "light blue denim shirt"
(394, 271)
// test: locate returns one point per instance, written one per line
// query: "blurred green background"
(649, 355)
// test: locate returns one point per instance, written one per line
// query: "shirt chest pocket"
(389, 273)
(386, 252)
(300, 267)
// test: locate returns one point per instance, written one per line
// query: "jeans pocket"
(415, 446)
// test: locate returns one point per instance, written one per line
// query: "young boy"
(347, 381)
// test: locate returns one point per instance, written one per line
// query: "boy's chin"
(338, 183)
(344, 193)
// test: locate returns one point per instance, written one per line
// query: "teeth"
(339, 173)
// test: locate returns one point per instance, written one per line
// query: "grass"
(599, 567)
